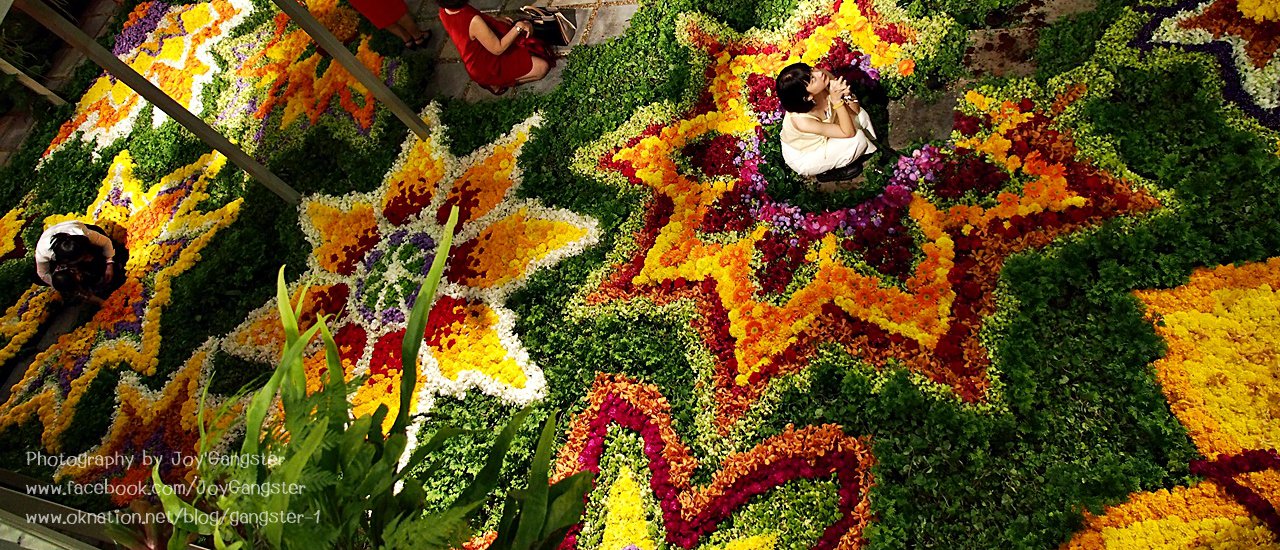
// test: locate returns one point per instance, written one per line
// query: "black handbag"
(550, 25)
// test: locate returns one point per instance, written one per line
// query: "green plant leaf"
(418, 323)
(179, 512)
(567, 505)
(487, 478)
(288, 474)
(534, 511)
(177, 541)
(220, 544)
(256, 414)
(510, 515)
(335, 387)
(287, 317)
(440, 531)
(423, 451)
(295, 382)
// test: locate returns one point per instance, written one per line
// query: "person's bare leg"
(400, 33)
(537, 72)
(410, 26)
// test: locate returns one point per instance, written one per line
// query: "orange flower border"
(691, 512)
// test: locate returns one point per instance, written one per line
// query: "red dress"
(484, 67)
(382, 13)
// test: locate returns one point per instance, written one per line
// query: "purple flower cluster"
(136, 33)
(392, 315)
(921, 167)
(423, 242)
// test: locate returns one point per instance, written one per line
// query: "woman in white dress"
(825, 129)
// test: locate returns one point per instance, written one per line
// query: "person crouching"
(79, 261)
(825, 131)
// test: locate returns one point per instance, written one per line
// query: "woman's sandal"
(418, 42)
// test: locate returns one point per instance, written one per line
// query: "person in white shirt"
(825, 130)
(76, 259)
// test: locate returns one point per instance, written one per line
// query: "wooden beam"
(325, 39)
(31, 84)
(53, 21)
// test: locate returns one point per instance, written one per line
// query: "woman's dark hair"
(451, 4)
(792, 86)
(70, 248)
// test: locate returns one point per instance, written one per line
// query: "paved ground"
(1006, 51)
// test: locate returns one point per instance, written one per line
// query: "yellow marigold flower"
(1260, 10)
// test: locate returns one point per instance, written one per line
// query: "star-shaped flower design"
(372, 251)
(627, 520)
(693, 511)
(160, 425)
(164, 233)
(169, 45)
(773, 283)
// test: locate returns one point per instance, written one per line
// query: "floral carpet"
(1056, 327)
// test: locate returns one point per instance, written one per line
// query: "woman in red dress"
(392, 15)
(493, 51)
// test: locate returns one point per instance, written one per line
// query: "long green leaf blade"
(418, 323)
(283, 304)
(437, 440)
(535, 502)
(487, 479)
(567, 507)
(261, 402)
(335, 386)
(178, 511)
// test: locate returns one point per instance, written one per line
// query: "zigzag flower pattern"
(154, 427)
(278, 84)
(772, 282)
(1222, 378)
(627, 526)
(690, 513)
(164, 233)
(372, 251)
(1238, 36)
(169, 45)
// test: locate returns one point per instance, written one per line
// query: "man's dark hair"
(451, 4)
(67, 282)
(792, 86)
